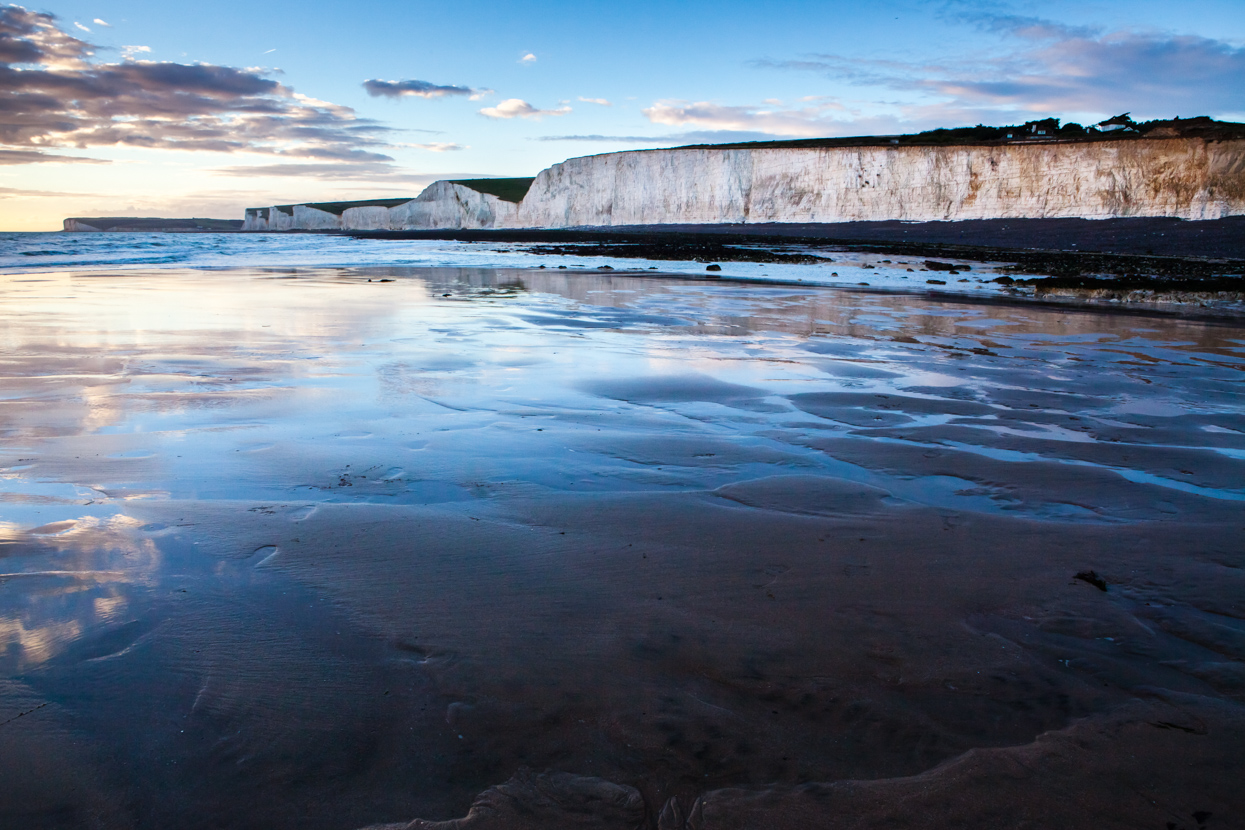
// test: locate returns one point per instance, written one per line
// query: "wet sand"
(296, 549)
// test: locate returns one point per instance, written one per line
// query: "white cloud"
(694, 137)
(438, 146)
(18, 193)
(528, 58)
(80, 26)
(808, 121)
(128, 52)
(602, 101)
(1045, 67)
(378, 175)
(518, 108)
(99, 22)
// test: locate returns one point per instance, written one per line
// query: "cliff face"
(79, 226)
(268, 219)
(444, 205)
(1185, 178)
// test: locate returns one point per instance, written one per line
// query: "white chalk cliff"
(1187, 178)
(442, 205)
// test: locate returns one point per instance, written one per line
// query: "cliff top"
(335, 208)
(508, 190)
(1121, 127)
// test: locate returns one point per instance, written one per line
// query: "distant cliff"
(463, 203)
(131, 224)
(1195, 170)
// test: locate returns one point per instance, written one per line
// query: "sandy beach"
(356, 547)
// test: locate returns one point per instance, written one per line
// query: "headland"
(133, 224)
(1191, 169)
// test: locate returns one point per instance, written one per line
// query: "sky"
(146, 108)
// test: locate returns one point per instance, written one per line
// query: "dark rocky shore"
(1160, 260)
(1214, 239)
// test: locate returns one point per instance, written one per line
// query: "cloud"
(38, 156)
(1030, 28)
(327, 170)
(128, 52)
(802, 122)
(375, 175)
(518, 108)
(64, 97)
(18, 193)
(438, 147)
(624, 139)
(80, 26)
(693, 137)
(602, 101)
(529, 58)
(1059, 69)
(99, 22)
(418, 89)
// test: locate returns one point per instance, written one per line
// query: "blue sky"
(203, 109)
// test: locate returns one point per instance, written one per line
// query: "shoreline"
(1145, 237)
(1109, 277)
(1114, 276)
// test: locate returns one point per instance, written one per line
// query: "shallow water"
(330, 546)
(36, 252)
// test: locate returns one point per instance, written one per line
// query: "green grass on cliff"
(508, 190)
(338, 208)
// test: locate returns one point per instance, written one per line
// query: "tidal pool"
(330, 548)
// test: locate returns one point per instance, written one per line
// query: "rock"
(1093, 579)
(938, 282)
(1138, 764)
(549, 801)
(714, 268)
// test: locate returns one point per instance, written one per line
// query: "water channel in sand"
(324, 548)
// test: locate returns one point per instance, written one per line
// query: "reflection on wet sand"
(293, 548)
